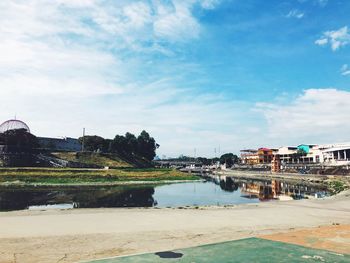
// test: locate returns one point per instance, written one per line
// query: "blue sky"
(196, 74)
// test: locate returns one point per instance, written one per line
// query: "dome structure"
(13, 125)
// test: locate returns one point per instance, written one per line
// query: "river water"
(211, 192)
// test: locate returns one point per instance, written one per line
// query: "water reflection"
(24, 198)
(270, 189)
(216, 191)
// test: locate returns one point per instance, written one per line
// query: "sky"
(198, 75)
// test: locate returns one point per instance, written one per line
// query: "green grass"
(336, 187)
(77, 175)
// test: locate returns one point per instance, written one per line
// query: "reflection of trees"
(83, 198)
(228, 185)
(129, 197)
(17, 200)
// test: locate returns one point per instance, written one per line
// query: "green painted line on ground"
(244, 250)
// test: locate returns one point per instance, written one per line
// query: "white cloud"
(295, 13)
(177, 25)
(336, 38)
(321, 41)
(76, 47)
(317, 114)
(67, 64)
(209, 4)
(345, 70)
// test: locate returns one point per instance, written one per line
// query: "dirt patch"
(334, 238)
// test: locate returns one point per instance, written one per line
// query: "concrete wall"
(60, 144)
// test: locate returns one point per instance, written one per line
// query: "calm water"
(219, 192)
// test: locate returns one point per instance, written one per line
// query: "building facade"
(337, 154)
(259, 156)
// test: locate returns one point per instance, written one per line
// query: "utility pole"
(83, 140)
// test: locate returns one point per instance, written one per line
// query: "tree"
(146, 146)
(93, 143)
(131, 143)
(119, 144)
(229, 159)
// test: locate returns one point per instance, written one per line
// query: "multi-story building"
(326, 154)
(259, 156)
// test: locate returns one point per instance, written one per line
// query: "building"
(17, 144)
(328, 154)
(334, 154)
(304, 153)
(259, 156)
(249, 156)
(60, 144)
(54, 144)
(276, 164)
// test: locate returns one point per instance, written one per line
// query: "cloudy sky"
(193, 73)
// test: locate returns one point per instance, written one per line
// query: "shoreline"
(96, 184)
(310, 179)
(87, 234)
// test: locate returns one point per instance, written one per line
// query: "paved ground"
(244, 250)
(334, 238)
(321, 244)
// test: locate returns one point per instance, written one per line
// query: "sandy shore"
(83, 234)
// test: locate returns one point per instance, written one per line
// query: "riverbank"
(78, 176)
(336, 183)
(86, 234)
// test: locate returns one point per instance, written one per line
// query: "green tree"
(118, 144)
(131, 143)
(229, 159)
(93, 143)
(146, 146)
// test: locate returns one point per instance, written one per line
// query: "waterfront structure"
(328, 154)
(249, 156)
(304, 153)
(336, 154)
(276, 164)
(259, 156)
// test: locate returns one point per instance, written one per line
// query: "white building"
(335, 154)
(327, 154)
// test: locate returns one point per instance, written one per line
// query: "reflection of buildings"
(276, 190)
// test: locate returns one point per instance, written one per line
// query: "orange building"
(260, 156)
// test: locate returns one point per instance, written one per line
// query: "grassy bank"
(82, 176)
(111, 160)
(92, 158)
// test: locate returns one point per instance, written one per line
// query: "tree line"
(228, 158)
(128, 145)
